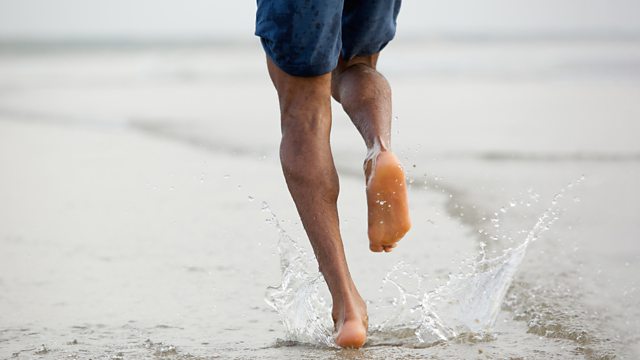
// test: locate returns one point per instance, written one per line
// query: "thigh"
(368, 26)
(303, 38)
(300, 97)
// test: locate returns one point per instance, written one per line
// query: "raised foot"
(387, 202)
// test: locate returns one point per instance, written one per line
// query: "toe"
(375, 247)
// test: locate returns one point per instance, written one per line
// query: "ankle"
(349, 307)
(377, 146)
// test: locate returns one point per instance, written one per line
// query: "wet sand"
(133, 184)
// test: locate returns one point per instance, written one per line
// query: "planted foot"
(387, 202)
(351, 323)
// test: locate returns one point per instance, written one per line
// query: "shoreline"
(131, 175)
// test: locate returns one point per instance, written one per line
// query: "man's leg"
(365, 95)
(307, 163)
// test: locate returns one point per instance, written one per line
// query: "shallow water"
(135, 244)
(465, 308)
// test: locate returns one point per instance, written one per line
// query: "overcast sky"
(235, 18)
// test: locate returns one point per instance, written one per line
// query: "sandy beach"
(138, 189)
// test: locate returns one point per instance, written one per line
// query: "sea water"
(407, 313)
(147, 263)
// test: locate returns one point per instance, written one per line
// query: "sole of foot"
(387, 202)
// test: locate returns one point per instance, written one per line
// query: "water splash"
(303, 311)
(464, 308)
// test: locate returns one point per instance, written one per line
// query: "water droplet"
(226, 176)
(251, 198)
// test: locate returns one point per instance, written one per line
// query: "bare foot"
(352, 334)
(387, 202)
(351, 323)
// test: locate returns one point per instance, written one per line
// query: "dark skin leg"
(365, 96)
(307, 163)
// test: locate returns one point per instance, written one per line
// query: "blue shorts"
(305, 37)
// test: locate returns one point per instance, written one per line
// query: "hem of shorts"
(300, 70)
(365, 53)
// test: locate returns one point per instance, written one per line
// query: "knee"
(302, 128)
(307, 164)
(302, 147)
